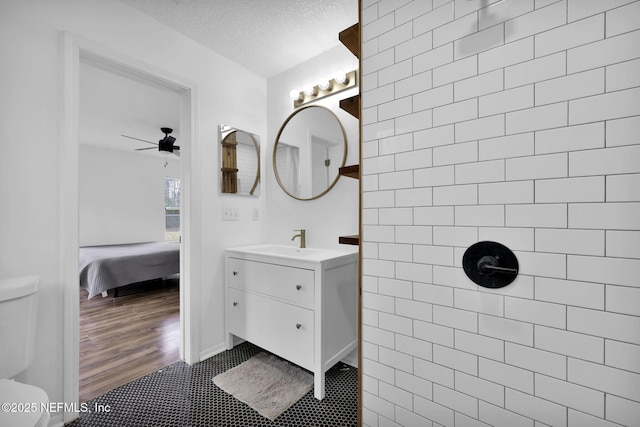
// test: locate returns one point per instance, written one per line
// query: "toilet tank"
(18, 311)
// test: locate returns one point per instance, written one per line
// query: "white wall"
(121, 196)
(336, 213)
(32, 85)
(517, 123)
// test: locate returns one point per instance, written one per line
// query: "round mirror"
(310, 148)
(240, 168)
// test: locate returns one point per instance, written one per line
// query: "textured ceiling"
(265, 36)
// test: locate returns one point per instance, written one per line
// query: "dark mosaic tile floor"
(185, 396)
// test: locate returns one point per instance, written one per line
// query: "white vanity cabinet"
(300, 304)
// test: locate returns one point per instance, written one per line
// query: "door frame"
(77, 49)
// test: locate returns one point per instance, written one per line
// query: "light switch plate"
(230, 213)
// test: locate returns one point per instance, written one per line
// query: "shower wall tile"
(622, 19)
(513, 121)
(518, 98)
(605, 107)
(623, 411)
(433, 19)
(509, 376)
(623, 76)
(459, 402)
(576, 345)
(547, 412)
(623, 131)
(623, 243)
(617, 271)
(510, 54)
(569, 292)
(579, 9)
(623, 299)
(512, 192)
(486, 127)
(519, 145)
(540, 215)
(535, 22)
(504, 11)
(580, 242)
(482, 389)
(603, 324)
(537, 167)
(604, 378)
(616, 216)
(572, 86)
(434, 58)
(571, 138)
(495, 416)
(538, 118)
(575, 34)
(588, 189)
(609, 51)
(606, 161)
(570, 395)
(536, 70)
(623, 355)
(479, 85)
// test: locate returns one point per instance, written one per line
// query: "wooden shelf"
(352, 171)
(349, 240)
(351, 39)
(351, 105)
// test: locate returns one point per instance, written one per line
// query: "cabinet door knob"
(235, 273)
(298, 325)
(235, 303)
(298, 287)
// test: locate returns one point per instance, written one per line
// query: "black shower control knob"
(490, 264)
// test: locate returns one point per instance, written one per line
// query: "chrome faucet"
(303, 242)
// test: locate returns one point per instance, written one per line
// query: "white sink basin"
(292, 252)
(287, 250)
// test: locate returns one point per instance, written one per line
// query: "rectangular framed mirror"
(240, 161)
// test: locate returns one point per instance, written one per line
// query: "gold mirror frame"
(275, 148)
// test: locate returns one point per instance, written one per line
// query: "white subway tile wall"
(516, 121)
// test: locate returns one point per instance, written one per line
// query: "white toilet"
(22, 404)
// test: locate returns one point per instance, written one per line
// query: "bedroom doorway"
(79, 52)
(129, 227)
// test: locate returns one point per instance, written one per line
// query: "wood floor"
(125, 338)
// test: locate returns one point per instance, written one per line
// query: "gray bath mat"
(267, 383)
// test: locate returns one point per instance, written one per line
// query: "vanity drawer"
(281, 328)
(295, 285)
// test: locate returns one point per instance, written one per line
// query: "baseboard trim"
(212, 351)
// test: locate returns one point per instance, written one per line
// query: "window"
(172, 209)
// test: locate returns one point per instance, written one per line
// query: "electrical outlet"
(230, 213)
(255, 214)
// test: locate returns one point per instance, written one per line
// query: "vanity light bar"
(335, 85)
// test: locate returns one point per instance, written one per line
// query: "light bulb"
(310, 90)
(325, 85)
(341, 78)
(295, 95)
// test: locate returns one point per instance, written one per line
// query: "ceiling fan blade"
(143, 149)
(138, 139)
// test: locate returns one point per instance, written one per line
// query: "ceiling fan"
(165, 144)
